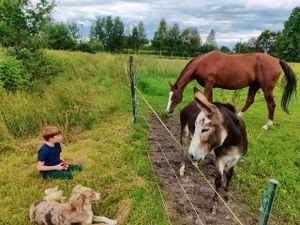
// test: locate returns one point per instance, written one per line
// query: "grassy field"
(90, 101)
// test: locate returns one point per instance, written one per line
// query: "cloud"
(232, 19)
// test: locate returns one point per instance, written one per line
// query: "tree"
(160, 36)
(137, 38)
(109, 32)
(211, 40)
(251, 43)
(22, 22)
(225, 49)
(241, 47)
(266, 42)
(190, 40)
(60, 37)
(142, 35)
(173, 41)
(289, 41)
(74, 30)
(117, 35)
(23, 28)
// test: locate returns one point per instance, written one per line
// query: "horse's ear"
(175, 86)
(171, 85)
(203, 103)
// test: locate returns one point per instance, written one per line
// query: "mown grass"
(272, 154)
(90, 102)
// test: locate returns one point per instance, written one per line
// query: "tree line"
(108, 34)
(26, 29)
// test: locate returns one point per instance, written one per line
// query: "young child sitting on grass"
(50, 164)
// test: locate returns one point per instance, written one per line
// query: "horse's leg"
(228, 174)
(269, 97)
(185, 144)
(208, 90)
(218, 184)
(253, 88)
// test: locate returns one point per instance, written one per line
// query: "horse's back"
(232, 71)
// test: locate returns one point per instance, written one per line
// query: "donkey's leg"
(269, 97)
(253, 88)
(218, 184)
(185, 146)
(228, 174)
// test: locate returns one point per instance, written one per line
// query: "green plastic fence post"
(267, 202)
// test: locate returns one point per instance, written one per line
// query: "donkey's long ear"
(203, 103)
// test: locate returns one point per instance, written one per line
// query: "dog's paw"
(51, 190)
(113, 222)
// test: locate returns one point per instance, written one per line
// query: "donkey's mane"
(229, 106)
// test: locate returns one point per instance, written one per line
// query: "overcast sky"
(233, 20)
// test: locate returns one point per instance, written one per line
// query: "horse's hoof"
(240, 114)
(265, 127)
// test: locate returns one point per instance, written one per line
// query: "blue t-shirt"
(49, 155)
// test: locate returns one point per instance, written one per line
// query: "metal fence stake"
(267, 202)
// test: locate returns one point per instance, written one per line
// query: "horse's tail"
(290, 87)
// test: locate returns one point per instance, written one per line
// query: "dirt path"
(178, 207)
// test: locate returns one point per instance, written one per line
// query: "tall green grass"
(90, 102)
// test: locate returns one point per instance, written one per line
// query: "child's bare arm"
(41, 167)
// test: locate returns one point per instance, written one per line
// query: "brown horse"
(256, 70)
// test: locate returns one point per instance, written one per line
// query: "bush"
(12, 74)
(36, 63)
(96, 46)
(85, 47)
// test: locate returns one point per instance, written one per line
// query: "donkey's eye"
(204, 130)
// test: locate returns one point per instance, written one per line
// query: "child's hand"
(60, 167)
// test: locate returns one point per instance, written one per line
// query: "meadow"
(90, 102)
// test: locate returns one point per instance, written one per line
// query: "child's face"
(57, 138)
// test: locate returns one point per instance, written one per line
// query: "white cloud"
(271, 4)
(232, 19)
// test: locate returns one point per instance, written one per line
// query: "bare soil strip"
(178, 207)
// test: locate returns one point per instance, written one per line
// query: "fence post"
(267, 202)
(132, 84)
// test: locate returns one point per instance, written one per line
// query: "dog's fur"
(78, 210)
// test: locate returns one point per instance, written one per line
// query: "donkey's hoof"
(182, 171)
(228, 197)
(213, 211)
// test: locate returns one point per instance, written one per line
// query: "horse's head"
(175, 96)
(209, 129)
